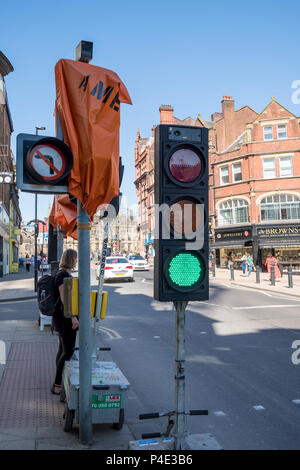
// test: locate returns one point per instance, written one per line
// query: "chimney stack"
(166, 114)
(229, 119)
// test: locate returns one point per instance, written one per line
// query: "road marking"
(258, 407)
(266, 293)
(297, 401)
(156, 337)
(132, 339)
(112, 334)
(263, 306)
(219, 413)
(145, 282)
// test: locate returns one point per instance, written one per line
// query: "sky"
(184, 53)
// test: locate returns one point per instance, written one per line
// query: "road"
(238, 360)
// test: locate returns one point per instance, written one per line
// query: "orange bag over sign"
(88, 103)
(64, 213)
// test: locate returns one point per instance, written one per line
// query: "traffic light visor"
(185, 165)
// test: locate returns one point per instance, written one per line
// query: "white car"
(139, 263)
(117, 267)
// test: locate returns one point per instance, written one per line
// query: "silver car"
(138, 262)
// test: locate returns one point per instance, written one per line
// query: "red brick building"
(254, 181)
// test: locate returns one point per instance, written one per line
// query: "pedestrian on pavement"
(66, 327)
(250, 264)
(272, 261)
(244, 263)
(32, 260)
(27, 262)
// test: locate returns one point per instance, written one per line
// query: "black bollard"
(213, 269)
(290, 277)
(232, 272)
(257, 274)
(272, 275)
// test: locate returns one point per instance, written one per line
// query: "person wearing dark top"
(66, 327)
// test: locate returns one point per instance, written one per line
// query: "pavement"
(30, 416)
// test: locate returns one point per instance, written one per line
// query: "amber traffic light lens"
(185, 165)
(185, 217)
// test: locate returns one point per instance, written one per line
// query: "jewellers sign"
(292, 231)
(234, 235)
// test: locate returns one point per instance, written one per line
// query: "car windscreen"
(116, 260)
(136, 257)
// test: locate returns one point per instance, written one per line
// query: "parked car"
(139, 263)
(117, 267)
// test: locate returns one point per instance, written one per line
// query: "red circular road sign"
(49, 161)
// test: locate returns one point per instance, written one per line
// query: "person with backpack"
(66, 327)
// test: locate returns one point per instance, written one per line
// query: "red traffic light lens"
(185, 165)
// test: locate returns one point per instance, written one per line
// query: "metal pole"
(100, 289)
(272, 275)
(290, 277)
(257, 274)
(35, 247)
(180, 420)
(60, 243)
(232, 272)
(213, 268)
(85, 353)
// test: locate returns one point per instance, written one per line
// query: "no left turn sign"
(49, 161)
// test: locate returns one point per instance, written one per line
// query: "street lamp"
(37, 129)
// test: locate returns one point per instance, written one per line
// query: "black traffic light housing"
(181, 180)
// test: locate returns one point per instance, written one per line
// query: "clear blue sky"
(186, 53)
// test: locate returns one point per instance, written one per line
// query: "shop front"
(235, 242)
(282, 241)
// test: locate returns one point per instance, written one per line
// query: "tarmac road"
(238, 360)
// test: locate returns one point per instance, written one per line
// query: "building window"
(285, 165)
(233, 211)
(281, 131)
(280, 207)
(268, 132)
(237, 172)
(269, 168)
(224, 174)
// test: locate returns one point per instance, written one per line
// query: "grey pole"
(272, 274)
(257, 274)
(60, 243)
(85, 353)
(180, 420)
(232, 272)
(35, 246)
(290, 277)
(100, 290)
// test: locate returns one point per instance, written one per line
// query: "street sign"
(181, 204)
(43, 165)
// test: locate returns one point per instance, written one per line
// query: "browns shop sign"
(279, 231)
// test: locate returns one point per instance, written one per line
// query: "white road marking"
(156, 337)
(132, 339)
(266, 293)
(263, 306)
(145, 282)
(112, 334)
(297, 401)
(258, 407)
(219, 413)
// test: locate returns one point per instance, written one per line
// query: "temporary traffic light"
(43, 164)
(181, 205)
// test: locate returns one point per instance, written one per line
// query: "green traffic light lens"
(185, 270)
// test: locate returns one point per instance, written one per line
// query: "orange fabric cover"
(88, 103)
(64, 213)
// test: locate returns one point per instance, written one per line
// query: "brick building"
(255, 183)
(10, 215)
(254, 198)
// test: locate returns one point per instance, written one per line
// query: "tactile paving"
(25, 397)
